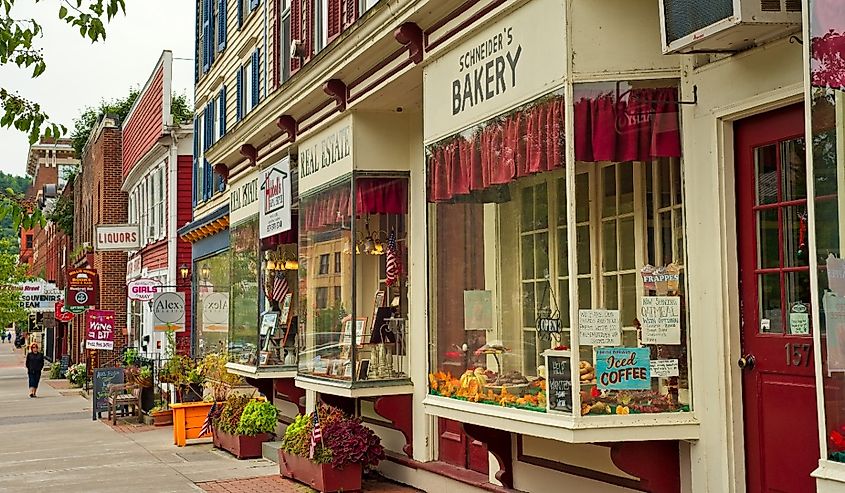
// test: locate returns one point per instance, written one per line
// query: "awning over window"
(374, 196)
(530, 140)
(639, 125)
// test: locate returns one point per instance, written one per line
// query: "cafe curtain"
(640, 126)
(374, 196)
(527, 141)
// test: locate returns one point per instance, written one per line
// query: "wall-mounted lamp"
(205, 272)
(184, 271)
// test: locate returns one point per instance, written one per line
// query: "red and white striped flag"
(393, 265)
(280, 287)
(316, 434)
(206, 425)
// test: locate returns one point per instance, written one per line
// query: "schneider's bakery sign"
(509, 62)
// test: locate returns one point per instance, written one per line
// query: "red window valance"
(528, 141)
(640, 126)
(374, 196)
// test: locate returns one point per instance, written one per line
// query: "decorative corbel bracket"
(287, 390)
(222, 170)
(337, 89)
(409, 34)
(288, 125)
(398, 409)
(250, 152)
(498, 443)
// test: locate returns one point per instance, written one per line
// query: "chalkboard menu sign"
(64, 365)
(103, 377)
(558, 381)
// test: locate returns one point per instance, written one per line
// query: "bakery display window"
(561, 289)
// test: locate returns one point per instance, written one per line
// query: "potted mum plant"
(343, 450)
(243, 425)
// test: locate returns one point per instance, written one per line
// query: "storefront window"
(212, 303)
(352, 283)
(279, 322)
(244, 302)
(827, 28)
(504, 271)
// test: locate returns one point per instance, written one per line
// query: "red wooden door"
(457, 449)
(778, 387)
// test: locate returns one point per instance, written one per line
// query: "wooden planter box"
(321, 477)
(162, 418)
(241, 446)
(188, 418)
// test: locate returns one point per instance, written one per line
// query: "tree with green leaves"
(12, 273)
(19, 46)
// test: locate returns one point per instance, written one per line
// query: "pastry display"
(586, 372)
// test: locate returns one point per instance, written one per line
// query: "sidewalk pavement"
(51, 444)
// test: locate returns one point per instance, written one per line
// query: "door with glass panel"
(779, 398)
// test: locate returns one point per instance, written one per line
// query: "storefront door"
(779, 397)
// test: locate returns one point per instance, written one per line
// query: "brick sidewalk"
(279, 484)
(128, 425)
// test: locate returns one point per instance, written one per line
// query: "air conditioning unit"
(725, 26)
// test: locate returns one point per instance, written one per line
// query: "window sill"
(362, 388)
(668, 426)
(830, 476)
(259, 373)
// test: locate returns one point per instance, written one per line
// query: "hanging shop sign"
(116, 237)
(100, 326)
(83, 288)
(215, 312)
(243, 200)
(142, 289)
(503, 65)
(327, 155)
(133, 266)
(39, 296)
(623, 369)
(274, 197)
(61, 314)
(169, 312)
(660, 319)
(599, 327)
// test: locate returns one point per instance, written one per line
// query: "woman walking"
(34, 365)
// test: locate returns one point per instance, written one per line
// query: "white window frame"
(247, 85)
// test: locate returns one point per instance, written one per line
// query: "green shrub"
(258, 417)
(56, 370)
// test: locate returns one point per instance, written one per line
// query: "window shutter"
(213, 106)
(308, 29)
(333, 29)
(239, 102)
(222, 111)
(256, 78)
(197, 48)
(295, 32)
(253, 4)
(240, 13)
(207, 172)
(206, 32)
(197, 132)
(349, 13)
(222, 17)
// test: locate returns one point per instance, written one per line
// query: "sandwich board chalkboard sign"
(103, 377)
(558, 381)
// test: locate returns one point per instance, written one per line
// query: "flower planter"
(321, 477)
(241, 446)
(162, 418)
(188, 419)
(192, 392)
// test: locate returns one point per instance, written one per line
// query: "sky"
(81, 74)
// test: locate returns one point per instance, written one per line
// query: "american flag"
(316, 435)
(280, 287)
(393, 265)
(206, 425)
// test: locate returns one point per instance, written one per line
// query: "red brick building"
(98, 199)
